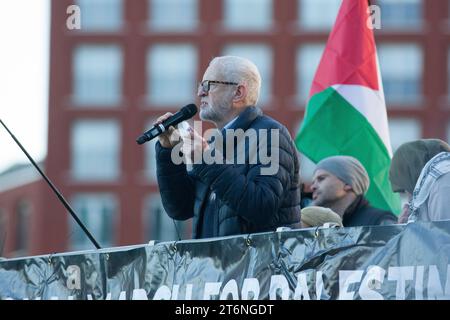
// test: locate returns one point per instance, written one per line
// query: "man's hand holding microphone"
(172, 129)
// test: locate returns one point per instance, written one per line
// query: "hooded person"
(421, 170)
(340, 183)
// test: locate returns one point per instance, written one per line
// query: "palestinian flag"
(346, 111)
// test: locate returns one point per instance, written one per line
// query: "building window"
(95, 150)
(159, 225)
(101, 15)
(98, 212)
(403, 130)
(307, 166)
(23, 212)
(237, 17)
(261, 56)
(150, 155)
(400, 14)
(401, 70)
(318, 14)
(173, 15)
(308, 58)
(171, 74)
(97, 75)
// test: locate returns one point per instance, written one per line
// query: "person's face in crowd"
(217, 103)
(327, 189)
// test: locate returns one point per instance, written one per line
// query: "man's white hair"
(240, 70)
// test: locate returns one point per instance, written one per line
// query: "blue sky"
(24, 31)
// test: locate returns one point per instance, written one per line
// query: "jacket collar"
(243, 122)
(245, 118)
(356, 205)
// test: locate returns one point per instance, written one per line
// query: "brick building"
(134, 60)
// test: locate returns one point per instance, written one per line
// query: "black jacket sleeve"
(176, 187)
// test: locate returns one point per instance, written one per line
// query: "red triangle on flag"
(350, 54)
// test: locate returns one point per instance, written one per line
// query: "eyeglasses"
(205, 84)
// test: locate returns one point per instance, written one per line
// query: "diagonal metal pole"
(58, 194)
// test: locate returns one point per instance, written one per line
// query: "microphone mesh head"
(190, 110)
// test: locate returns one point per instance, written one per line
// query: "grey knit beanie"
(349, 170)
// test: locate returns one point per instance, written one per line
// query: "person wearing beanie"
(340, 183)
(421, 170)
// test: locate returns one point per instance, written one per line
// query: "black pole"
(58, 194)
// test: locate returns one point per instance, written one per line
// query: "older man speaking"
(226, 198)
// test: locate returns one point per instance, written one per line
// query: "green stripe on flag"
(332, 126)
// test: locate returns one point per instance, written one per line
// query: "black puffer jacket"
(244, 201)
(360, 213)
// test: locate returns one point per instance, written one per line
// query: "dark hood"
(409, 160)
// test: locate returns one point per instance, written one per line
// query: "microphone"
(185, 113)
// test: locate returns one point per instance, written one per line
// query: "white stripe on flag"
(371, 105)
